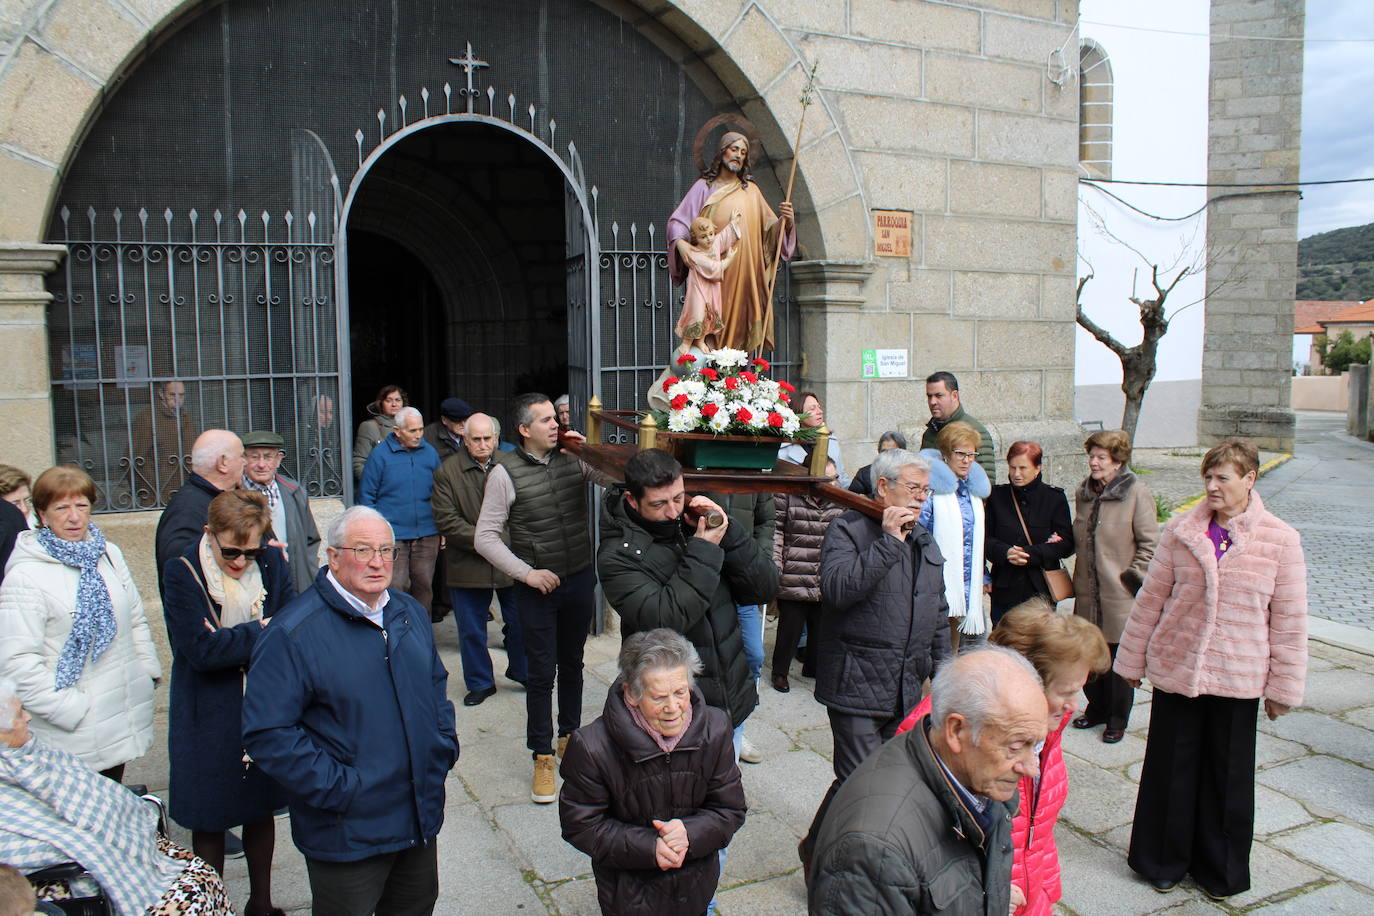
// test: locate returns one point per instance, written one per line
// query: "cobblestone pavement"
(1327, 492)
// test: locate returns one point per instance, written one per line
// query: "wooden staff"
(791, 179)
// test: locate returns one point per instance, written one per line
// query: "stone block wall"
(949, 111)
(1255, 121)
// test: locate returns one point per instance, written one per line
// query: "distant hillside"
(1337, 265)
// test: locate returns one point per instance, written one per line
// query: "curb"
(1264, 469)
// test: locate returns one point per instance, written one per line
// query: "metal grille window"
(163, 326)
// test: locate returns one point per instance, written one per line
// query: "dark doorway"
(457, 271)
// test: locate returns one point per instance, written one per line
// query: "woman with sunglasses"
(218, 597)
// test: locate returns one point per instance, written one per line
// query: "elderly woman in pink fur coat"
(1219, 625)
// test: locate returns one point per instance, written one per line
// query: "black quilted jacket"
(880, 637)
(617, 781)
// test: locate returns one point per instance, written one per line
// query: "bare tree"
(1140, 362)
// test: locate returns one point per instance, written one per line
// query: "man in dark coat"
(446, 435)
(942, 398)
(459, 485)
(657, 572)
(292, 524)
(923, 826)
(216, 465)
(12, 522)
(346, 706)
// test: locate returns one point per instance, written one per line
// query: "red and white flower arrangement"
(726, 393)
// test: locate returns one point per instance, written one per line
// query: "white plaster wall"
(1160, 134)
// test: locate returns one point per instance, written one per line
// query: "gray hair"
(210, 446)
(563, 401)
(405, 413)
(968, 687)
(893, 436)
(9, 692)
(656, 650)
(338, 529)
(889, 464)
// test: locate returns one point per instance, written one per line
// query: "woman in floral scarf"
(72, 631)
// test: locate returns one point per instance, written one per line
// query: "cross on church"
(470, 65)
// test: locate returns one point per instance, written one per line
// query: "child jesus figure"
(707, 258)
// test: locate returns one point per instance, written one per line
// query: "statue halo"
(740, 123)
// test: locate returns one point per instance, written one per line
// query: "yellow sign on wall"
(892, 233)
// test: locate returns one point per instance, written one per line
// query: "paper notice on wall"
(884, 364)
(892, 233)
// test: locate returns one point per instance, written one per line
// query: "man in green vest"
(942, 397)
(537, 492)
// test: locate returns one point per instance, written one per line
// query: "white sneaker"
(748, 753)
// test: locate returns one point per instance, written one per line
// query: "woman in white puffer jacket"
(73, 635)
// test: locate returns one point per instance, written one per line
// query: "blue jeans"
(470, 612)
(751, 627)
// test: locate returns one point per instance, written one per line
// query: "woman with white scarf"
(217, 598)
(954, 517)
(72, 631)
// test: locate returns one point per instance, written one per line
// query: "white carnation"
(719, 422)
(727, 358)
(684, 420)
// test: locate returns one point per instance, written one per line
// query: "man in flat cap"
(446, 433)
(724, 189)
(292, 523)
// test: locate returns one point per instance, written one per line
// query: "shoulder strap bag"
(1056, 580)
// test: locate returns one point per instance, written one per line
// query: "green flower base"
(753, 454)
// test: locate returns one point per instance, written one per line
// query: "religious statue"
(723, 192)
(708, 257)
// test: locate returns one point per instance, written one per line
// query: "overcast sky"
(1337, 115)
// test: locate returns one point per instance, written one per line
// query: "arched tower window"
(1094, 111)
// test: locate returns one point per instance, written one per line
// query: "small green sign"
(870, 364)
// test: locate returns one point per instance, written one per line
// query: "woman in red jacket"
(1065, 650)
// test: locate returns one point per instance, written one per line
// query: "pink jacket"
(1035, 857)
(1234, 629)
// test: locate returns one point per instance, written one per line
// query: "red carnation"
(710, 409)
(748, 376)
(732, 383)
(686, 359)
(710, 373)
(785, 398)
(678, 402)
(785, 386)
(743, 415)
(669, 382)
(775, 420)
(762, 364)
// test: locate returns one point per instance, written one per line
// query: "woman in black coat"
(217, 598)
(651, 790)
(1017, 566)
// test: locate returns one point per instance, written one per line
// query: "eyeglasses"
(967, 456)
(233, 553)
(918, 491)
(365, 553)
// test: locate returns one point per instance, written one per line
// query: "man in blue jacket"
(398, 481)
(346, 706)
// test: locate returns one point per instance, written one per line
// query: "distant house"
(1312, 317)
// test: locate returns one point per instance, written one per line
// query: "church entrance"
(457, 271)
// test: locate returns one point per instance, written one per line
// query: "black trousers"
(792, 617)
(855, 738)
(1109, 697)
(555, 627)
(394, 884)
(1195, 812)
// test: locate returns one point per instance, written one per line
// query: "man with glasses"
(883, 616)
(292, 524)
(942, 398)
(346, 705)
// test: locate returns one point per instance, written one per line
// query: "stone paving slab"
(1332, 899)
(1326, 786)
(1341, 848)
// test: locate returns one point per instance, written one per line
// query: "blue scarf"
(93, 622)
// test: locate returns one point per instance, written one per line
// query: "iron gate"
(163, 326)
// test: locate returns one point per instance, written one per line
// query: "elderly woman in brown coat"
(1115, 531)
(801, 524)
(651, 790)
